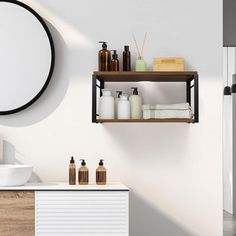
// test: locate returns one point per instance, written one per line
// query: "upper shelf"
(178, 76)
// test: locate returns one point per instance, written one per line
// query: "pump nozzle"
(135, 92)
(119, 93)
(72, 161)
(104, 44)
(114, 55)
(83, 163)
(101, 162)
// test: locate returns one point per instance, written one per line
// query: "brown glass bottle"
(114, 62)
(104, 58)
(126, 59)
(72, 172)
(83, 176)
(101, 174)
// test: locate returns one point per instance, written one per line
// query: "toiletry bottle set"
(106, 63)
(83, 173)
(121, 107)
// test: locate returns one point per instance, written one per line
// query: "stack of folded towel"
(162, 111)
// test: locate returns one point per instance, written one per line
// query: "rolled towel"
(165, 114)
(177, 106)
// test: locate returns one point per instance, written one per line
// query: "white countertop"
(66, 186)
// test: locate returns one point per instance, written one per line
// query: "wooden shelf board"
(165, 76)
(173, 120)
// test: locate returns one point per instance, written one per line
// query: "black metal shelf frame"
(192, 83)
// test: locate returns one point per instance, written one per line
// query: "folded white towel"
(177, 106)
(165, 114)
(148, 114)
(148, 107)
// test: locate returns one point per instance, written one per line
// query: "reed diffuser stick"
(139, 54)
(144, 42)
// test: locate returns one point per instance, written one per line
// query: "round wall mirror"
(26, 56)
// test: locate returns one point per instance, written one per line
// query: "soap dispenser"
(72, 172)
(117, 99)
(123, 108)
(135, 104)
(83, 173)
(114, 62)
(104, 58)
(101, 174)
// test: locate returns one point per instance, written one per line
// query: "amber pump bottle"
(83, 176)
(101, 174)
(104, 58)
(114, 62)
(126, 59)
(72, 172)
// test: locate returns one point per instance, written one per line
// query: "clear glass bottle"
(101, 174)
(83, 176)
(72, 172)
(141, 64)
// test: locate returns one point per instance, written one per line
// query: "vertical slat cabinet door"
(82, 213)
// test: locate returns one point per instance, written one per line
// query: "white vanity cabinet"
(82, 213)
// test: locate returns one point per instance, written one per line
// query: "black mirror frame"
(40, 19)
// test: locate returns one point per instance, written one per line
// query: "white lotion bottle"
(124, 107)
(106, 105)
(117, 99)
(135, 104)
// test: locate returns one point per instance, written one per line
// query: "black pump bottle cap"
(72, 161)
(135, 92)
(119, 93)
(104, 44)
(114, 55)
(101, 162)
(126, 48)
(83, 163)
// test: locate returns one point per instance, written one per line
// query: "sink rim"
(12, 166)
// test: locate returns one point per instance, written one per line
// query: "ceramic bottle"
(135, 104)
(124, 107)
(117, 99)
(106, 105)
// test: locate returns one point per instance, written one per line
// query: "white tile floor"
(229, 224)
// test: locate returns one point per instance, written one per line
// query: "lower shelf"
(174, 120)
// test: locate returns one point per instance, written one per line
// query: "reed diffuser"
(141, 64)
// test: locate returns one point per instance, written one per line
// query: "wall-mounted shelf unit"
(190, 78)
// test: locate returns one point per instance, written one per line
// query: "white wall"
(174, 171)
(228, 133)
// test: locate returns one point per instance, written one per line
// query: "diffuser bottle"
(135, 104)
(101, 174)
(114, 62)
(104, 58)
(117, 99)
(83, 173)
(106, 105)
(126, 59)
(72, 172)
(141, 64)
(123, 107)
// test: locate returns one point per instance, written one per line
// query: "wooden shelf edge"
(171, 120)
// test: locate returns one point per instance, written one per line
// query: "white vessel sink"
(14, 175)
